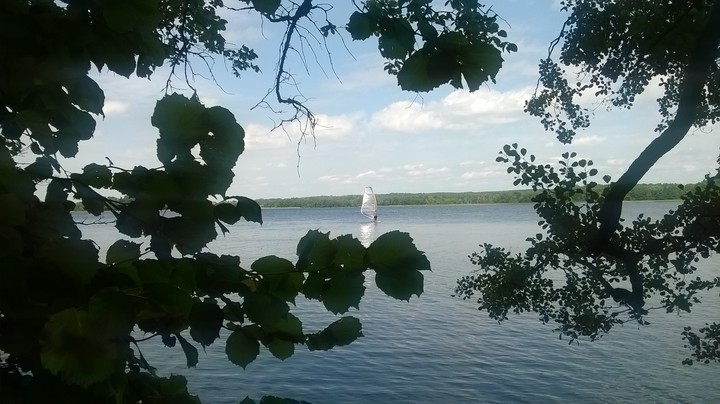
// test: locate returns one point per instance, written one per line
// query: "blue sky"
(372, 133)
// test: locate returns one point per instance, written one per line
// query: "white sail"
(369, 204)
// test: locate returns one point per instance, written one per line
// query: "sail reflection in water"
(368, 233)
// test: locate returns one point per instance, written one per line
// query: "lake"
(438, 348)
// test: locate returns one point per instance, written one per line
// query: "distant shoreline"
(642, 192)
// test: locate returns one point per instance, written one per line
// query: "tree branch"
(696, 77)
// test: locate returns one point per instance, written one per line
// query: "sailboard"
(369, 204)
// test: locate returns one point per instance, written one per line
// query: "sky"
(372, 133)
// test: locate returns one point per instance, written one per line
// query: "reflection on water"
(437, 348)
(368, 233)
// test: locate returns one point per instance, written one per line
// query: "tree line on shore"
(643, 192)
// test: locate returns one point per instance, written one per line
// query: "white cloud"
(471, 163)
(459, 111)
(412, 166)
(334, 127)
(472, 175)
(428, 171)
(261, 137)
(582, 140)
(407, 117)
(329, 178)
(114, 107)
(369, 174)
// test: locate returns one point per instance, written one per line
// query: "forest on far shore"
(642, 192)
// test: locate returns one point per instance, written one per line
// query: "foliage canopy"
(72, 323)
(586, 271)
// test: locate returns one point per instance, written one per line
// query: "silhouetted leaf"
(96, 176)
(40, 168)
(397, 38)
(191, 353)
(396, 251)
(266, 6)
(236, 207)
(272, 265)
(86, 94)
(361, 25)
(314, 285)
(122, 250)
(73, 349)
(315, 251)
(339, 333)
(343, 291)
(241, 349)
(281, 349)
(350, 253)
(206, 319)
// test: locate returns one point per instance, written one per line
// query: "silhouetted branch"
(696, 77)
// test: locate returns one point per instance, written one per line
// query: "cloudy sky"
(372, 133)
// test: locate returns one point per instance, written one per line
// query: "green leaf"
(396, 251)
(127, 224)
(165, 302)
(122, 250)
(479, 62)
(314, 286)
(76, 259)
(191, 353)
(272, 265)
(315, 251)
(119, 57)
(427, 30)
(350, 253)
(13, 210)
(265, 309)
(221, 150)
(236, 207)
(343, 291)
(424, 71)
(119, 16)
(112, 311)
(397, 38)
(72, 348)
(206, 319)
(341, 332)
(287, 327)
(96, 176)
(361, 26)
(40, 168)
(400, 284)
(93, 202)
(281, 349)
(189, 234)
(285, 286)
(397, 262)
(86, 94)
(181, 124)
(241, 349)
(266, 6)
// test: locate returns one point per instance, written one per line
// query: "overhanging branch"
(697, 74)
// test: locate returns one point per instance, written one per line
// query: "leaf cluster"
(427, 46)
(585, 293)
(613, 50)
(74, 323)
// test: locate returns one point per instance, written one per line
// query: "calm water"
(440, 349)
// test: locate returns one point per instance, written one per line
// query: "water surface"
(440, 349)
